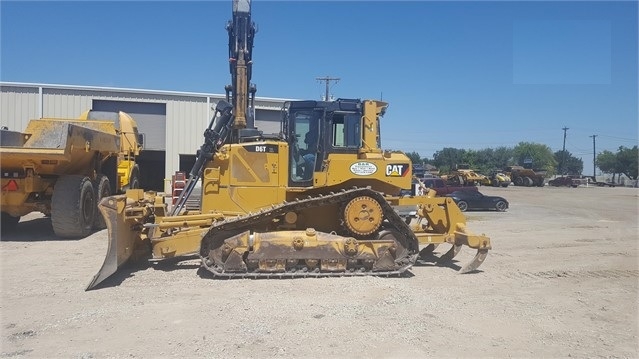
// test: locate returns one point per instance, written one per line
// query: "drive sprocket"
(363, 215)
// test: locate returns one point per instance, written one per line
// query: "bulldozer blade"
(476, 262)
(120, 240)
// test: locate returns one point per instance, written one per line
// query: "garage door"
(150, 117)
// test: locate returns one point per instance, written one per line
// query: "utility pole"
(563, 153)
(327, 80)
(594, 158)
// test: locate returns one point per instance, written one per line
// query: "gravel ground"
(561, 281)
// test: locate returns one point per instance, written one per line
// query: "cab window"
(346, 130)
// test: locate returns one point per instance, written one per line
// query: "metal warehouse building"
(172, 123)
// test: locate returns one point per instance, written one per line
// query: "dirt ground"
(562, 281)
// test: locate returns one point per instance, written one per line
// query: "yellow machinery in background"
(63, 167)
(321, 198)
(128, 171)
(526, 177)
(462, 175)
(497, 179)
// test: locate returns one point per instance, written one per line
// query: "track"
(393, 227)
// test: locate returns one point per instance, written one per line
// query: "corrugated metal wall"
(187, 114)
(187, 118)
(18, 103)
(62, 103)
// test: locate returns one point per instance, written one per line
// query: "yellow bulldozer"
(264, 215)
(321, 198)
(496, 179)
(63, 167)
(462, 175)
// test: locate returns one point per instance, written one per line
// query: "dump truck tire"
(73, 207)
(528, 182)
(9, 222)
(102, 188)
(519, 181)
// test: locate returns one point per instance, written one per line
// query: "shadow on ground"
(129, 269)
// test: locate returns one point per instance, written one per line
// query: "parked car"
(568, 181)
(434, 183)
(469, 200)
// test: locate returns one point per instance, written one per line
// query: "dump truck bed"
(60, 146)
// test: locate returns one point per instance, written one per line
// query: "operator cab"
(315, 129)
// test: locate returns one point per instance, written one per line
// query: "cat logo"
(397, 170)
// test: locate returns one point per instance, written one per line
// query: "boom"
(241, 32)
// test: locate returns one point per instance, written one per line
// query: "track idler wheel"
(363, 215)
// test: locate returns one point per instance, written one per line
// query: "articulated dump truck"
(63, 167)
(319, 199)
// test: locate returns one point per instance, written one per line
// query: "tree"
(414, 157)
(624, 161)
(571, 165)
(627, 159)
(484, 160)
(502, 157)
(607, 163)
(488, 159)
(534, 155)
(448, 158)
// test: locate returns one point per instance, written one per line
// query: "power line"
(620, 138)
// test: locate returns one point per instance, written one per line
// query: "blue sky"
(457, 74)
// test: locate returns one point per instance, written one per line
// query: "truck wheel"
(528, 182)
(102, 188)
(73, 207)
(519, 181)
(495, 183)
(9, 222)
(134, 179)
(463, 206)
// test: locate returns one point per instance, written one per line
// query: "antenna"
(327, 80)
